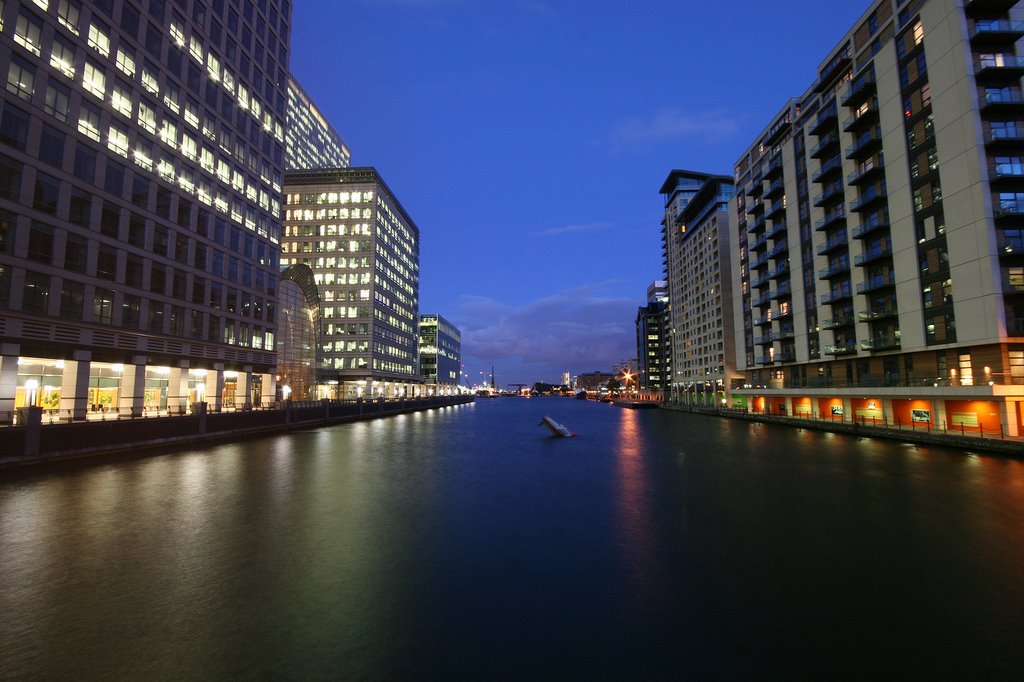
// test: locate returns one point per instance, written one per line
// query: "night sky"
(528, 141)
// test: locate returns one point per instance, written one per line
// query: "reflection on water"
(467, 543)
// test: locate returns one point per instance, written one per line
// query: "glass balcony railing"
(875, 283)
(841, 349)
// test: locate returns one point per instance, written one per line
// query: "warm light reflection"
(633, 502)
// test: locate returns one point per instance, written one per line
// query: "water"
(466, 543)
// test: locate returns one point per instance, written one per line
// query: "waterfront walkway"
(957, 437)
(36, 441)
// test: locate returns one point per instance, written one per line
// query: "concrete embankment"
(1004, 445)
(34, 442)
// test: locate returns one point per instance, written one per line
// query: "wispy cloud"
(580, 329)
(567, 229)
(673, 124)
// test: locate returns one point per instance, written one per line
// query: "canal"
(466, 543)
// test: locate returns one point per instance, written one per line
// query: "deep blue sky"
(528, 140)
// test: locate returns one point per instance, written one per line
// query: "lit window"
(89, 121)
(195, 48)
(94, 80)
(20, 78)
(67, 14)
(149, 81)
(192, 114)
(171, 98)
(177, 33)
(117, 140)
(27, 32)
(188, 146)
(147, 117)
(62, 58)
(121, 100)
(125, 61)
(99, 40)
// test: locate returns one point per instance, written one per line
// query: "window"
(99, 37)
(89, 121)
(156, 316)
(57, 99)
(94, 79)
(149, 79)
(47, 193)
(110, 220)
(10, 178)
(40, 243)
(51, 146)
(80, 207)
(114, 180)
(160, 240)
(121, 100)
(27, 32)
(133, 271)
(21, 78)
(85, 163)
(14, 128)
(72, 300)
(106, 262)
(131, 312)
(126, 61)
(68, 12)
(36, 294)
(117, 139)
(76, 251)
(103, 306)
(147, 117)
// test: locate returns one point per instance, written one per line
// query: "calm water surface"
(465, 543)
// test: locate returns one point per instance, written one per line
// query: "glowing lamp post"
(286, 391)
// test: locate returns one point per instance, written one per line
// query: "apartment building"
(879, 260)
(652, 347)
(346, 225)
(141, 172)
(696, 242)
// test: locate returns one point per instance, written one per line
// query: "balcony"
(756, 225)
(865, 172)
(830, 220)
(1002, 172)
(776, 188)
(758, 243)
(777, 229)
(991, 31)
(831, 193)
(874, 254)
(834, 270)
(838, 322)
(835, 242)
(860, 89)
(841, 350)
(1002, 101)
(786, 355)
(761, 281)
(869, 226)
(830, 141)
(858, 121)
(777, 211)
(989, 5)
(826, 118)
(763, 340)
(760, 321)
(867, 199)
(880, 313)
(866, 142)
(761, 262)
(760, 302)
(1010, 246)
(779, 249)
(1008, 209)
(829, 168)
(783, 334)
(782, 291)
(882, 343)
(781, 270)
(774, 167)
(841, 294)
(763, 359)
(782, 313)
(1004, 138)
(1000, 65)
(756, 187)
(877, 282)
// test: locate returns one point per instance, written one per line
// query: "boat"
(580, 394)
(555, 428)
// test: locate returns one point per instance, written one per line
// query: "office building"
(311, 140)
(879, 264)
(652, 336)
(363, 249)
(697, 246)
(440, 349)
(141, 168)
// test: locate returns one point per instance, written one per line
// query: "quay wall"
(33, 442)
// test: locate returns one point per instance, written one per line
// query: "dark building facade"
(440, 354)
